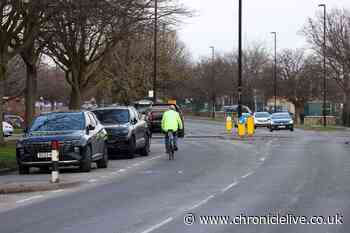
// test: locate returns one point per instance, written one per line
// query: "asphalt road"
(300, 173)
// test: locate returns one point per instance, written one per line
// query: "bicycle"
(171, 145)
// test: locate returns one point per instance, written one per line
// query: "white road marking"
(246, 175)
(128, 167)
(136, 165)
(29, 199)
(114, 173)
(229, 186)
(121, 170)
(201, 202)
(262, 159)
(155, 227)
(104, 177)
(180, 172)
(92, 180)
(58, 191)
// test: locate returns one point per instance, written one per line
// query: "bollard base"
(54, 177)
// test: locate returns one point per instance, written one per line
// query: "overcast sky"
(216, 23)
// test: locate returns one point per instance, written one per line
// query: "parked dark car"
(82, 140)
(281, 120)
(127, 132)
(155, 114)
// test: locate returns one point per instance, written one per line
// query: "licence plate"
(44, 155)
(281, 127)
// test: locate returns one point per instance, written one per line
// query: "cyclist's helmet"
(172, 107)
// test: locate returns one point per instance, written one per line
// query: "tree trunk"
(2, 90)
(346, 109)
(75, 98)
(30, 93)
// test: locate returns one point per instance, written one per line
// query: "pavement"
(301, 173)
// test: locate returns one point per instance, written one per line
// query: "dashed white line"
(229, 187)
(201, 202)
(155, 227)
(121, 170)
(92, 181)
(29, 199)
(246, 175)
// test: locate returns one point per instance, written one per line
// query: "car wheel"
(103, 163)
(132, 148)
(271, 129)
(292, 129)
(146, 149)
(85, 165)
(23, 170)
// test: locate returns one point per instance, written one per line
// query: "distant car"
(82, 140)
(127, 132)
(7, 129)
(15, 120)
(155, 115)
(143, 106)
(262, 119)
(281, 120)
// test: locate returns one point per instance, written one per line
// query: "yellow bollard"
(241, 127)
(250, 126)
(229, 124)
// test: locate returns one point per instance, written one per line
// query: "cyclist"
(171, 121)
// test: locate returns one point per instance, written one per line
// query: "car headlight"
(291, 122)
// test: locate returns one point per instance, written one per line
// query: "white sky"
(216, 23)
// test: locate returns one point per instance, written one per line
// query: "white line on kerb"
(246, 175)
(229, 187)
(29, 199)
(155, 227)
(201, 202)
(58, 191)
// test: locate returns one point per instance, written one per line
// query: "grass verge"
(8, 155)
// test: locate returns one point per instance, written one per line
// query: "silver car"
(262, 119)
(7, 129)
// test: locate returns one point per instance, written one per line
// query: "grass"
(8, 155)
(18, 131)
(320, 128)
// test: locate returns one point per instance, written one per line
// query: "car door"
(101, 135)
(93, 136)
(136, 127)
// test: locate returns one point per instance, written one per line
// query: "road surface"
(301, 173)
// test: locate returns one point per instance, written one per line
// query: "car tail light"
(55, 145)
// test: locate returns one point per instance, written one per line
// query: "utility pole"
(213, 81)
(324, 66)
(240, 59)
(155, 51)
(275, 71)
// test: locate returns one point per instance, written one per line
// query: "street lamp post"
(324, 66)
(275, 71)
(213, 81)
(240, 59)
(155, 51)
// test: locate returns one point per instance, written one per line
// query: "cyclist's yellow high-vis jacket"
(171, 121)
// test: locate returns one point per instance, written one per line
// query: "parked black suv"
(82, 140)
(127, 132)
(155, 115)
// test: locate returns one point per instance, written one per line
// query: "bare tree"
(12, 19)
(337, 50)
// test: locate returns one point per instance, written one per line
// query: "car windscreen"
(113, 116)
(59, 122)
(262, 115)
(281, 116)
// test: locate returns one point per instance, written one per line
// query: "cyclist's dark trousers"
(167, 140)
